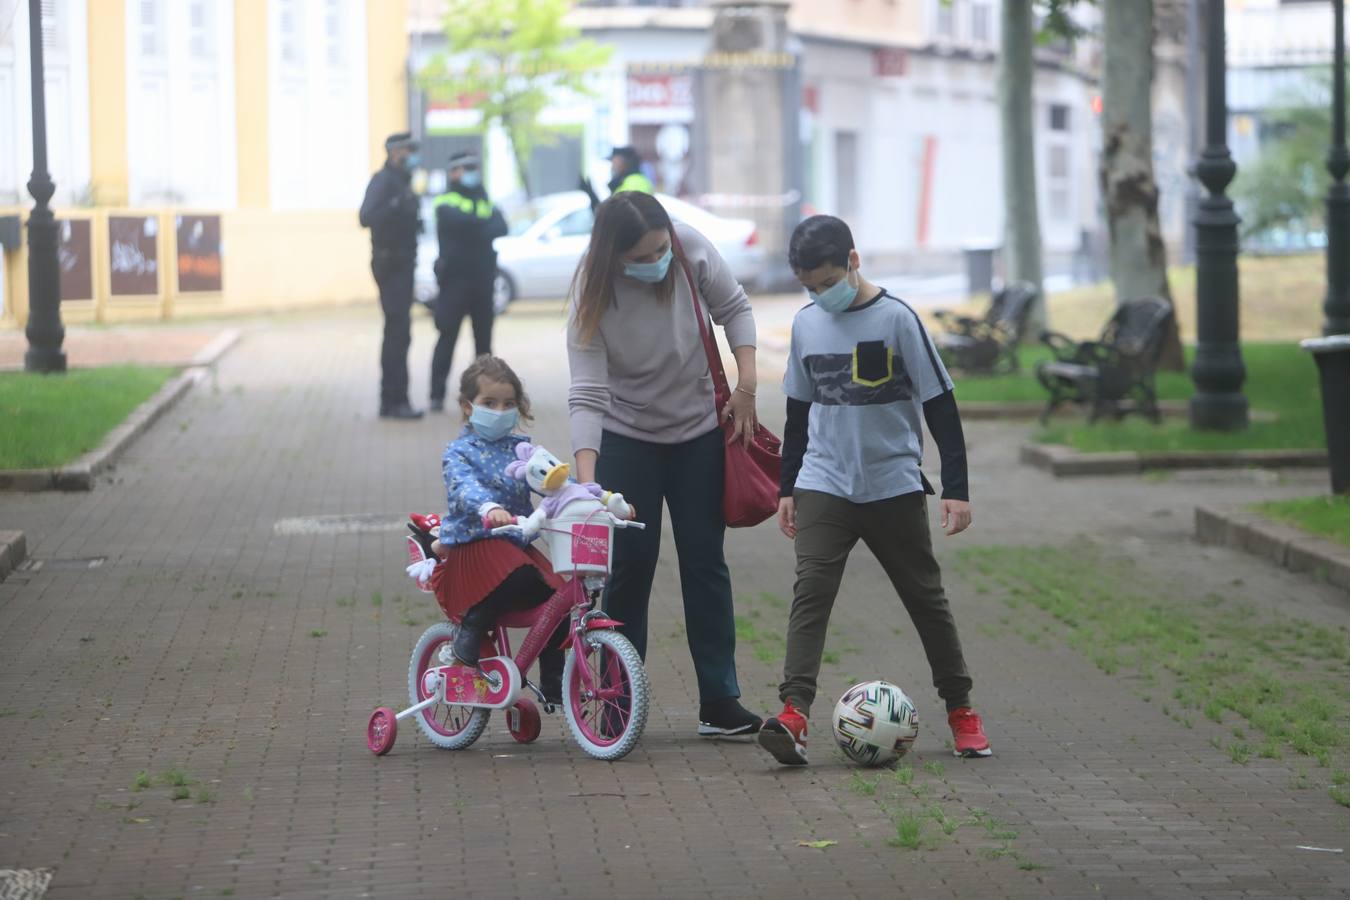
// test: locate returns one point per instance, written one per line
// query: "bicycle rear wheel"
(448, 726)
(608, 721)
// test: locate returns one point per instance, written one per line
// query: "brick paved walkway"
(247, 660)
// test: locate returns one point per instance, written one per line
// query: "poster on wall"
(134, 255)
(75, 255)
(199, 252)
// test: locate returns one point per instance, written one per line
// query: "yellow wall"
(386, 72)
(271, 261)
(250, 102)
(108, 165)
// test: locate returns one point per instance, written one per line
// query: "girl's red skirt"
(472, 571)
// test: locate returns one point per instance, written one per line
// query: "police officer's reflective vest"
(636, 181)
(482, 208)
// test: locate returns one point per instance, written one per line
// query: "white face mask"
(493, 424)
(837, 297)
(652, 272)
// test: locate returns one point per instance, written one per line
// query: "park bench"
(988, 345)
(1113, 374)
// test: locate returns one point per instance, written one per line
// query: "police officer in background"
(390, 211)
(626, 168)
(466, 225)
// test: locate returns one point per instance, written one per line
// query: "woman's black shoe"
(726, 718)
(550, 675)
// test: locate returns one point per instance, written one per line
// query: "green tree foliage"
(509, 59)
(1287, 185)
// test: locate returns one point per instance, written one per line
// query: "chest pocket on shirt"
(873, 364)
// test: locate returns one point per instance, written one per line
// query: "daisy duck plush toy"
(548, 476)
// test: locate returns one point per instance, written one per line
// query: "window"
(846, 173)
(53, 37)
(1059, 117)
(149, 28)
(577, 223)
(289, 33)
(333, 33)
(945, 24)
(1059, 172)
(199, 30)
(1059, 161)
(979, 23)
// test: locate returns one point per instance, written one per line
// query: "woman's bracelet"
(744, 391)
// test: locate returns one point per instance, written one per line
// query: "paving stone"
(190, 649)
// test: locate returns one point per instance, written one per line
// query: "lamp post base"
(1219, 412)
(44, 361)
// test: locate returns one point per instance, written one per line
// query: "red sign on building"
(889, 62)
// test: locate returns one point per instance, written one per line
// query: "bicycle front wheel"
(607, 719)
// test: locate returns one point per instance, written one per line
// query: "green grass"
(908, 831)
(1327, 516)
(1219, 657)
(51, 420)
(1281, 379)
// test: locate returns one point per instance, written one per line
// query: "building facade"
(230, 139)
(897, 121)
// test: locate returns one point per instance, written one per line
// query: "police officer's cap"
(627, 153)
(463, 159)
(401, 140)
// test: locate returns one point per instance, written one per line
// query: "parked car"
(549, 234)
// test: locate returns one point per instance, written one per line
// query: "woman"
(643, 422)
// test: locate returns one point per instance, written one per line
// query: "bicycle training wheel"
(608, 721)
(448, 726)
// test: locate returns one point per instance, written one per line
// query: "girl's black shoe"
(466, 645)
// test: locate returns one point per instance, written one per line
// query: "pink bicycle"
(605, 691)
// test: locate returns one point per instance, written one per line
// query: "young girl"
(482, 576)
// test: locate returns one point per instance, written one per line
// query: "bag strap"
(721, 389)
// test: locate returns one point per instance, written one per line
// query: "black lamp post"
(1337, 307)
(1218, 373)
(45, 332)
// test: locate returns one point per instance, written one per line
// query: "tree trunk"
(521, 160)
(522, 171)
(1138, 254)
(1022, 226)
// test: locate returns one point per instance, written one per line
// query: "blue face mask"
(471, 178)
(412, 161)
(493, 424)
(652, 272)
(836, 298)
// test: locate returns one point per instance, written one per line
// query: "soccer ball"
(875, 723)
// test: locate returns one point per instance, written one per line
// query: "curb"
(79, 475)
(13, 550)
(1285, 545)
(208, 355)
(1066, 462)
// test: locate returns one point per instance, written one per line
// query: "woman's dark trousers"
(687, 478)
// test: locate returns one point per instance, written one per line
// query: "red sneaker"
(784, 735)
(968, 733)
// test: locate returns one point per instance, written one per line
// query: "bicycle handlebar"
(613, 520)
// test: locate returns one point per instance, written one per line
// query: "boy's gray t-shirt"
(866, 373)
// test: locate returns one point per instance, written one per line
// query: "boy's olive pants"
(896, 531)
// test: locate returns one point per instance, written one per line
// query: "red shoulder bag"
(750, 483)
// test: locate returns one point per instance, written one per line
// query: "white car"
(550, 234)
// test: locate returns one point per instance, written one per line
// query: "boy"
(860, 371)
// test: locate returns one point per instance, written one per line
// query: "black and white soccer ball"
(875, 723)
